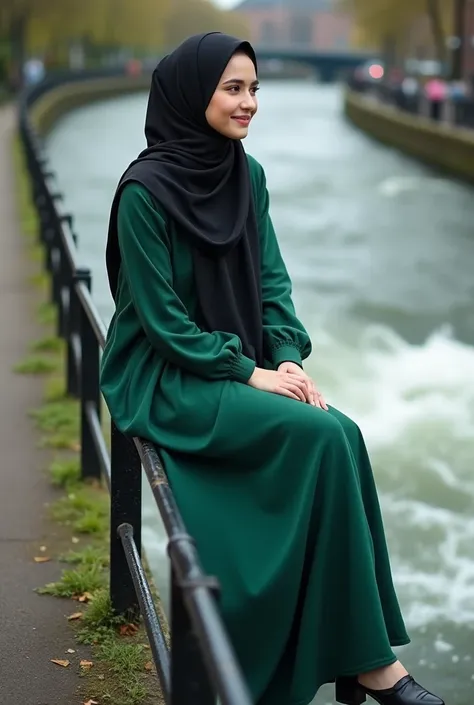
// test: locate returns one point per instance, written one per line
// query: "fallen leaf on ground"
(76, 615)
(85, 597)
(149, 666)
(71, 651)
(101, 678)
(75, 539)
(146, 646)
(41, 559)
(128, 629)
(60, 662)
(86, 664)
(42, 549)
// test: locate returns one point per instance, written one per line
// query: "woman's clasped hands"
(289, 380)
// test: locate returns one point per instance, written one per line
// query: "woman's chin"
(233, 131)
(239, 133)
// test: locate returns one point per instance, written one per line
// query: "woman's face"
(234, 102)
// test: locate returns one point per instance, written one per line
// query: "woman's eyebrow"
(240, 81)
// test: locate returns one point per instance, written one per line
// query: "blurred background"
(380, 248)
(419, 37)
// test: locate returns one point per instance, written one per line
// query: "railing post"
(70, 323)
(125, 508)
(89, 383)
(45, 218)
(54, 264)
(60, 267)
(189, 680)
(37, 190)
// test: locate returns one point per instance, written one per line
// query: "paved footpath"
(33, 628)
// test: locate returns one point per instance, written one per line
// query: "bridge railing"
(200, 663)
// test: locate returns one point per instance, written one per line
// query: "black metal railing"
(200, 663)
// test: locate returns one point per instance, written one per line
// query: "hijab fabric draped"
(201, 179)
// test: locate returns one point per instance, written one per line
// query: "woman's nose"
(248, 102)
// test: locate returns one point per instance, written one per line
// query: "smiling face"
(234, 102)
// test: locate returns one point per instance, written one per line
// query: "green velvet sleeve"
(146, 264)
(285, 338)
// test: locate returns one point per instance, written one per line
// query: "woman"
(204, 357)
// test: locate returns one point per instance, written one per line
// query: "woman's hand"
(279, 382)
(312, 396)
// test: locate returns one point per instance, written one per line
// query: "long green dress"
(278, 494)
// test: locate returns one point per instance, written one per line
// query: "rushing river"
(381, 252)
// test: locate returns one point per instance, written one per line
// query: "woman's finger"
(317, 400)
(323, 402)
(286, 393)
(296, 378)
(296, 390)
(300, 383)
(307, 385)
(308, 391)
(312, 392)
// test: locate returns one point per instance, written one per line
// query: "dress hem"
(361, 669)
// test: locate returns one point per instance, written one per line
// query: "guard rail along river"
(200, 664)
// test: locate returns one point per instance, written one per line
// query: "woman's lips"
(242, 120)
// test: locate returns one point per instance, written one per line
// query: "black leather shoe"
(405, 692)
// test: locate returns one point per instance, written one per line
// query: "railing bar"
(99, 442)
(125, 508)
(64, 297)
(69, 246)
(75, 342)
(92, 314)
(147, 608)
(216, 650)
(164, 499)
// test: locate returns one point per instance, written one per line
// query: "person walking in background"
(436, 93)
(33, 71)
(411, 94)
(204, 357)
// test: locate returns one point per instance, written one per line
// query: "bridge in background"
(329, 65)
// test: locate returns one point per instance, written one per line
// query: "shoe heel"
(349, 691)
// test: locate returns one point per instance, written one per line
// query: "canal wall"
(448, 148)
(58, 101)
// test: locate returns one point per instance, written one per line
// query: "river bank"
(446, 147)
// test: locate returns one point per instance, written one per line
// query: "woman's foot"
(383, 678)
(391, 685)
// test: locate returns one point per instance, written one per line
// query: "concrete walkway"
(33, 628)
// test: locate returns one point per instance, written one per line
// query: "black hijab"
(201, 179)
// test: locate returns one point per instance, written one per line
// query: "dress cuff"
(286, 353)
(242, 369)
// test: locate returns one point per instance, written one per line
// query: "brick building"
(312, 24)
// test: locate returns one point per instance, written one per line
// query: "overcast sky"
(226, 3)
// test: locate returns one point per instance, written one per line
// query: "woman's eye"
(236, 89)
